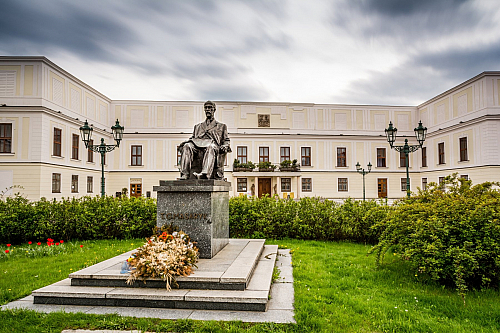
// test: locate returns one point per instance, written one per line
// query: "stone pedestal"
(200, 208)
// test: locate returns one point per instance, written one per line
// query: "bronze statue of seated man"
(203, 155)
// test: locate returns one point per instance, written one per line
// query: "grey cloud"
(230, 92)
(422, 77)
(399, 22)
(77, 30)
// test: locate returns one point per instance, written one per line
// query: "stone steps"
(238, 278)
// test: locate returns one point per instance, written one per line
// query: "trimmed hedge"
(84, 218)
(449, 232)
(308, 218)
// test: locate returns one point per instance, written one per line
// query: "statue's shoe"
(183, 177)
(200, 175)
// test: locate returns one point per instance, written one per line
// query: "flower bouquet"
(164, 256)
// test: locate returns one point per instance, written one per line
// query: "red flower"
(6, 251)
(81, 245)
(8, 245)
(50, 240)
(61, 241)
(29, 243)
(57, 243)
(38, 243)
(49, 244)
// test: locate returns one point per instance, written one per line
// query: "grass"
(337, 289)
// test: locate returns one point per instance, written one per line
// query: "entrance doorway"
(264, 187)
(382, 187)
(135, 190)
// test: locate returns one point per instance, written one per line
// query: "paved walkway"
(280, 306)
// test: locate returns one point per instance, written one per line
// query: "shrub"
(76, 218)
(307, 218)
(451, 232)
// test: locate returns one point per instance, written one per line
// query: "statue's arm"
(192, 136)
(225, 140)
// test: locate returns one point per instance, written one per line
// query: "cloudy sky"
(393, 52)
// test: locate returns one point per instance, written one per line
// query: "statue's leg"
(188, 152)
(209, 160)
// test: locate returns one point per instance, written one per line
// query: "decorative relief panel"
(137, 117)
(76, 103)
(57, 91)
(7, 83)
(281, 110)
(380, 122)
(264, 120)
(462, 104)
(340, 121)
(90, 108)
(228, 118)
(103, 113)
(403, 122)
(247, 109)
(181, 118)
(298, 120)
(440, 114)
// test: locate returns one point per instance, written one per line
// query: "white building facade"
(41, 153)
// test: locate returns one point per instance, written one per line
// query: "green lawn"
(337, 289)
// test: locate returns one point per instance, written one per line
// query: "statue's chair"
(197, 164)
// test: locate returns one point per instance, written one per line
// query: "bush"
(451, 232)
(308, 218)
(76, 218)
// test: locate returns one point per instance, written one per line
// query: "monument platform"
(198, 207)
(238, 278)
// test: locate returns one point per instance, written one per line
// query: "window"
(402, 159)
(74, 183)
(136, 155)
(286, 184)
(74, 146)
(285, 154)
(5, 138)
(441, 180)
(56, 183)
(305, 153)
(403, 184)
(464, 177)
(263, 154)
(341, 157)
(306, 184)
(242, 184)
(381, 157)
(424, 184)
(463, 150)
(441, 152)
(179, 154)
(90, 184)
(90, 153)
(342, 184)
(424, 156)
(241, 154)
(57, 142)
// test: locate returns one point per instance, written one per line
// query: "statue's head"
(209, 107)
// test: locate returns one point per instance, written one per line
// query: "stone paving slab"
(280, 307)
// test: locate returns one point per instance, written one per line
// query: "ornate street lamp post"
(363, 172)
(86, 132)
(420, 133)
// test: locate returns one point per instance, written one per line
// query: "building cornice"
(49, 63)
(459, 87)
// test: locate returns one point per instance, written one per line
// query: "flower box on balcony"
(239, 169)
(266, 169)
(288, 169)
